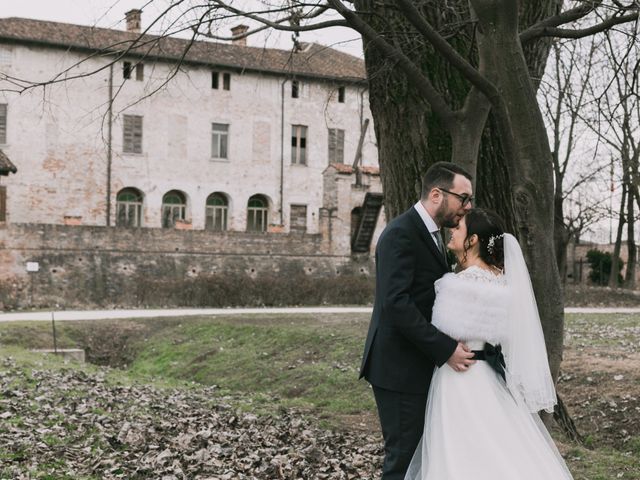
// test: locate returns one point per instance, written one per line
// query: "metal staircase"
(363, 233)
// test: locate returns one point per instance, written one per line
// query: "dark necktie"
(439, 243)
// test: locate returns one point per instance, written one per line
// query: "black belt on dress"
(493, 356)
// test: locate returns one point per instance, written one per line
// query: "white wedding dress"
(475, 427)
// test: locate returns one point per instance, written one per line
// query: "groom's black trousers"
(402, 421)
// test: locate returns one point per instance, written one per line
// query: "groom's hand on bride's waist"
(462, 358)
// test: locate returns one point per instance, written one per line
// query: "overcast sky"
(110, 14)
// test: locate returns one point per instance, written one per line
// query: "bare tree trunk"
(530, 170)
(630, 275)
(615, 265)
(410, 137)
(561, 238)
(493, 183)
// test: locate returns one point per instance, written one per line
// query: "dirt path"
(78, 315)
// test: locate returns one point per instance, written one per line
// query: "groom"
(402, 346)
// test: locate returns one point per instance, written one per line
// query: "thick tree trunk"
(530, 169)
(494, 183)
(410, 138)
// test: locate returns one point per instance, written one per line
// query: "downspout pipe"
(282, 151)
(109, 144)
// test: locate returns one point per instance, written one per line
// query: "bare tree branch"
(560, 19)
(580, 33)
(448, 52)
(278, 24)
(414, 74)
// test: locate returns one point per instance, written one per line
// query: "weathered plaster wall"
(58, 139)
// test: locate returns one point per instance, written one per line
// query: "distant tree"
(564, 95)
(600, 266)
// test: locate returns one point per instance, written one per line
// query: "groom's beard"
(445, 217)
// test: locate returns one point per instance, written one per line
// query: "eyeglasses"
(464, 198)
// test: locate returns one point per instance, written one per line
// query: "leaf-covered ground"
(69, 423)
(600, 378)
(285, 399)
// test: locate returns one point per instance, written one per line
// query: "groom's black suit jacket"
(402, 346)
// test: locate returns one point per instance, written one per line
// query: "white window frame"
(253, 213)
(220, 139)
(299, 136)
(173, 211)
(129, 207)
(214, 213)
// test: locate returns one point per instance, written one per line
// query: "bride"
(482, 423)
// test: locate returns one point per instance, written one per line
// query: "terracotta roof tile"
(6, 166)
(314, 60)
(348, 169)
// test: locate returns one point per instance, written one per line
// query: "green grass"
(602, 464)
(306, 361)
(302, 365)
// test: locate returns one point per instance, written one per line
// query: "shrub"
(600, 265)
(235, 290)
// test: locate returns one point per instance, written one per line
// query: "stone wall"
(84, 266)
(578, 267)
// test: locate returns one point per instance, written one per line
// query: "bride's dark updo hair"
(489, 228)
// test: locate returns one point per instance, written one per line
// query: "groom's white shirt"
(428, 221)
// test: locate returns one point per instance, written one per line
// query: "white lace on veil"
(527, 374)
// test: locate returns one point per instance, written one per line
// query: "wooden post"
(358, 158)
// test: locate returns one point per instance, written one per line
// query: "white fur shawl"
(471, 305)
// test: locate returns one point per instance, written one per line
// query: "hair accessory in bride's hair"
(492, 242)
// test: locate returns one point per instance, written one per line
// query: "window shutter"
(3, 123)
(3, 203)
(132, 134)
(340, 146)
(332, 145)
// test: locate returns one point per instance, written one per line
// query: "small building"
(6, 167)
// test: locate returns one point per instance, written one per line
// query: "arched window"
(216, 212)
(257, 214)
(129, 208)
(174, 207)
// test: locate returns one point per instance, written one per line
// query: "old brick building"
(237, 139)
(134, 130)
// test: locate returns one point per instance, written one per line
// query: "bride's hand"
(461, 359)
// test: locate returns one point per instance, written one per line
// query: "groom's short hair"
(441, 174)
